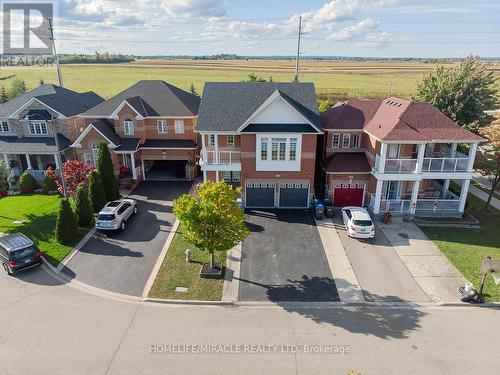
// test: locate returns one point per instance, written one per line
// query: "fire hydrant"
(187, 254)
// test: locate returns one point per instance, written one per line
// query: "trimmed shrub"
(83, 208)
(106, 171)
(96, 192)
(66, 225)
(49, 183)
(27, 182)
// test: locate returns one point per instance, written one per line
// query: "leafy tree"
(488, 158)
(252, 77)
(75, 174)
(107, 173)
(66, 225)
(27, 182)
(192, 90)
(50, 180)
(83, 208)
(96, 191)
(17, 87)
(4, 176)
(462, 92)
(212, 220)
(324, 105)
(3, 94)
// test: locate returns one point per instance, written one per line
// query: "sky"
(368, 28)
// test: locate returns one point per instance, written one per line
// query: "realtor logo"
(26, 28)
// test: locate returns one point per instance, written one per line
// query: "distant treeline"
(96, 58)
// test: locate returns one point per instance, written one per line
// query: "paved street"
(121, 262)
(283, 259)
(56, 329)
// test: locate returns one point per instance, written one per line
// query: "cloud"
(379, 40)
(354, 31)
(195, 8)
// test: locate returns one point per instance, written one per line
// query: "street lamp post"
(59, 159)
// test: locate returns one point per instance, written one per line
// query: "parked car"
(358, 222)
(115, 214)
(18, 253)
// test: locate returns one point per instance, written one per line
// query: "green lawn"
(485, 188)
(175, 271)
(39, 213)
(465, 248)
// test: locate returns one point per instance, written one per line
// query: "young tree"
(488, 157)
(17, 87)
(462, 92)
(324, 105)
(75, 174)
(3, 94)
(212, 220)
(252, 77)
(96, 191)
(4, 176)
(66, 225)
(41, 82)
(192, 90)
(83, 208)
(107, 173)
(50, 180)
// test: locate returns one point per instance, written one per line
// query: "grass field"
(339, 80)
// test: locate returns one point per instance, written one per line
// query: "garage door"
(259, 195)
(294, 195)
(348, 195)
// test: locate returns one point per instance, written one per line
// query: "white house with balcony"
(419, 162)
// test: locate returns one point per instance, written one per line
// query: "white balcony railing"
(433, 165)
(396, 165)
(211, 157)
(423, 205)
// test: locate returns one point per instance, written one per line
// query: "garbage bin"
(319, 209)
(328, 207)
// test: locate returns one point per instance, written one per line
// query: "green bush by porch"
(27, 182)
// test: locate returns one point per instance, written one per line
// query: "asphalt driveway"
(382, 275)
(122, 262)
(283, 259)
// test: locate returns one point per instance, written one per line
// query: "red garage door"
(351, 196)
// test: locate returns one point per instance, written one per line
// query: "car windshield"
(113, 204)
(106, 217)
(23, 253)
(363, 223)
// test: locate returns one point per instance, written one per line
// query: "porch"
(35, 164)
(424, 198)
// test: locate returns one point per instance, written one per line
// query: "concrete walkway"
(484, 196)
(430, 268)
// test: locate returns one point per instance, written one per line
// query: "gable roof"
(226, 106)
(104, 128)
(395, 119)
(150, 98)
(64, 101)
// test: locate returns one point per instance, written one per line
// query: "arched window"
(128, 127)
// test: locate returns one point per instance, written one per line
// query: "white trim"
(164, 148)
(164, 126)
(179, 122)
(114, 115)
(333, 137)
(344, 136)
(29, 102)
(77, 142)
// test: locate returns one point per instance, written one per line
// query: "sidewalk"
(484, 196)
(431, 269)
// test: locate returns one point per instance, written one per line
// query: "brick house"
(28, 122)
(261, 137)
(149, 129)
(398, 156)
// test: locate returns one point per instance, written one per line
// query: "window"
(356, 142)
(87, 159)
(95, 152)
(162, 126)
(392, 151)
(278, 149)
(4, 127)
(128, 127)
(37, 127)
(263, 149)
(293, 149)
(236, 176)
(179, 126)
(336, 141)
(346, 141)
(227, 176)
(230, 140)
(211, 139)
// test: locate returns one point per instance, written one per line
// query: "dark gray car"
(18, 253)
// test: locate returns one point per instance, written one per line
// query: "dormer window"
(4, 127)
(128, 127)
(37, 127)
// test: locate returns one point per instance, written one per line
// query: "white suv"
(115, 214)
(358, 222)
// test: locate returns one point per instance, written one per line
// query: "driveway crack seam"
(108, 367)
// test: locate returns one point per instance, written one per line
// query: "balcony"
(424, 207)
(396, 165)
(221, 160)
(457, 164)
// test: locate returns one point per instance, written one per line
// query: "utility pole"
(58, 65)
(59, 159)
(298, 51)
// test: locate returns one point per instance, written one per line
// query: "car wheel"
(122, 226)
(7, 269)
(135, 210)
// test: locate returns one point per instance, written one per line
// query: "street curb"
(76, 249)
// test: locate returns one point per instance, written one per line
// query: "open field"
(340, 80)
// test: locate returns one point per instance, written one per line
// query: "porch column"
(204, 176)
(420, 157)
(217, 176)
(56, 159)
(132, 164)
(6, 160)
(414, 196)
(453, 150)
(463, 195)
(383, 155)
(28, 161)
(216, 156)
(472, 157)
(378, 195)
(143, 170)
(446, 187)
